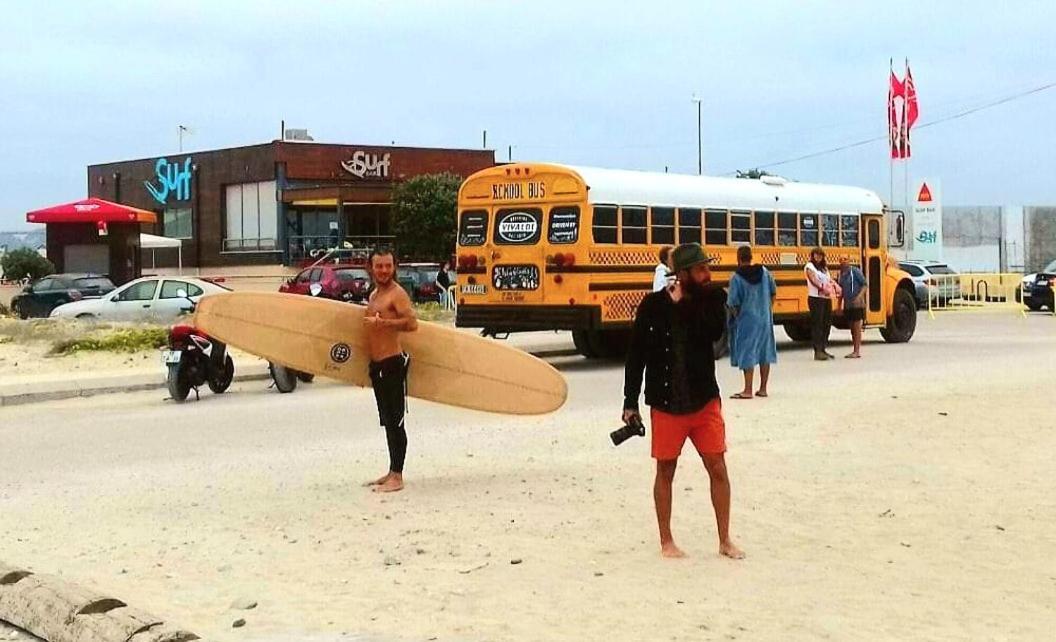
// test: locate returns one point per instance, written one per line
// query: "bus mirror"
(899, 235)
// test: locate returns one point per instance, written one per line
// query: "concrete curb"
(17, 394)
(36, 392)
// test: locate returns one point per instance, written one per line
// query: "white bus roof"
(629, 187)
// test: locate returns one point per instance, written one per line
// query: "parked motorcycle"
(194, 358)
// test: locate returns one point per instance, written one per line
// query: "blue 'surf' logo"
(171, 178)
(927, 237)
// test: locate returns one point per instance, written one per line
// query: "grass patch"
(125, 340)
(434, 312)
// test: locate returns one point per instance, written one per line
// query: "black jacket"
(651, 345)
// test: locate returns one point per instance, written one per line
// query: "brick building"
(272, 204)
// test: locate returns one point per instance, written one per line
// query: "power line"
(960, 114)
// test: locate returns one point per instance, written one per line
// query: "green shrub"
(25, 263)
(127, 340)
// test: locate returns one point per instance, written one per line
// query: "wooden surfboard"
(328, 338)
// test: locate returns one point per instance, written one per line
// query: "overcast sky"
(599, 83)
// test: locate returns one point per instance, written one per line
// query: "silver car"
(933, 280)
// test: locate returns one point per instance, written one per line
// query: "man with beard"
(672, 341)
(389, 313)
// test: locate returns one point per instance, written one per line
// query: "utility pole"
(700, 155)
(485, 143)
(179, 136)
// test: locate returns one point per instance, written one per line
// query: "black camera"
(632, 428)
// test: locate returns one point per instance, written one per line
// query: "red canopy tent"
(91, 210)
(94, 235)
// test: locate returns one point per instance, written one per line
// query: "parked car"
(340, 282)
(42, 296)
(933, 279)
(151, 298)
(1038, 288)
(419, 280)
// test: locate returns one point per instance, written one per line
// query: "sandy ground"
(908, 495)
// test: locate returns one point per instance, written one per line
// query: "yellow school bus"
(555, 247)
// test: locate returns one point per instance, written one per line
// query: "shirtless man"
(389, 313)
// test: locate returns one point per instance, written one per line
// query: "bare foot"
(729, 549)
(391, 485)
(379, 481)
(670, 550)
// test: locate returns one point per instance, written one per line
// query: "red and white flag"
(910, 111)
(894, 123)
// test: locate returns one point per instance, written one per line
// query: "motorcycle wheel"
(305, 377)
(223, 379)
(179, 387)
(284, 378)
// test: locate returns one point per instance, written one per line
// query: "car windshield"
(93, 282)
(1050, 268)
(351, 274)
(408, 274)
(940, 269)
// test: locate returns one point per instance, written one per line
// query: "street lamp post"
(700, 157)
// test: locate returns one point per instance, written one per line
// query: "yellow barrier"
(995, 292)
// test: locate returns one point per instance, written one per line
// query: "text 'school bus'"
(547, 247)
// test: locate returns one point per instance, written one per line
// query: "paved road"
(182, 509)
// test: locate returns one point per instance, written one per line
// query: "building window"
(663, 225)
(603, 226)
(251, 217)
(176, 223)
(688, 225)
(633, 230)
(715, 227)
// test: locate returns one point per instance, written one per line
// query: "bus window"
(564, 225)
(849, 231)
(715, 227)
(604, 225)
(663, 225)
(786, 229)
(473, 227)
(633, 230)
(808, 233)
(830, 230)
(764, 228)
(740, 227)
(688, 225)
(518, 226)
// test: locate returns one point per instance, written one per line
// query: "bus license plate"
(171, 356)
(474, 288)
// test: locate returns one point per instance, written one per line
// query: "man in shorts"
(672, 342)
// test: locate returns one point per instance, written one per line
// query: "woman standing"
(820, 291)
(751, 302)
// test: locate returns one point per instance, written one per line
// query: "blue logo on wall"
(927, 237)
(173, 180)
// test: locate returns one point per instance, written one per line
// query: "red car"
(339, 282)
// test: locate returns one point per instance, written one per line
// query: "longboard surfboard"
(328, 338)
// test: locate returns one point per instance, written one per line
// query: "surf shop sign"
(363, 164)
(518, 227)
(171, 180)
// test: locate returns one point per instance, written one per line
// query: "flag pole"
(890, 142)
(905, 121)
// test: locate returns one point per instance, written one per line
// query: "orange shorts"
(705, 428)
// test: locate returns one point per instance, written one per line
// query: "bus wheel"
(721, 347)
(609, 344)
(798, 331)
(903, 320)
(581, 339)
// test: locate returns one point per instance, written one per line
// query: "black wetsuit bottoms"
(389, 379)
